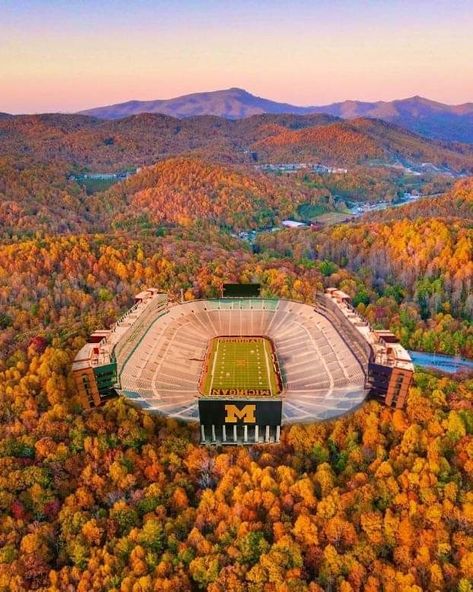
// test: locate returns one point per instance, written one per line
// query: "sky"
(67, 55)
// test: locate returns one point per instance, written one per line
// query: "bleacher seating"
(322, 376)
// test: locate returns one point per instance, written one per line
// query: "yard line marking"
(213, 367)
(267, 367)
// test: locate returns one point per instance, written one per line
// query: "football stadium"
(243, 366)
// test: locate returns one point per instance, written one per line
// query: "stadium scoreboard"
(241, 290)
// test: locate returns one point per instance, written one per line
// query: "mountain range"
(423, 116)
(144, 139)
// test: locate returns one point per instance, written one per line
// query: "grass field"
(240, 366)
(331, 218)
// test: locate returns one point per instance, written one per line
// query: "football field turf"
(240, 366)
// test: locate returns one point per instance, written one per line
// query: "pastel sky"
(66, 55)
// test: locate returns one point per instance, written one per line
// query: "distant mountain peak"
(231, 103)
(417, 113)
(419, 100)
(236, 89)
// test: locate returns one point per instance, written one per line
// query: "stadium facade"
(244, 365)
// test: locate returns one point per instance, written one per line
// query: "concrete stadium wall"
(352, 338)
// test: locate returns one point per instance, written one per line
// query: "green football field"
(240, 366)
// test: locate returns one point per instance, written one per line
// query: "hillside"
(429, 118)
(185, 190)
(144, 139)
(41, 156)
(423, 116)
(362, 141)
(413, 276)
(39, 198)
(334, 144)
(138, 140)
(455, 204)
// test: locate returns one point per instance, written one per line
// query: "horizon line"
(220, 90)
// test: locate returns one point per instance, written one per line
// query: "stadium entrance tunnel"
(243, 367)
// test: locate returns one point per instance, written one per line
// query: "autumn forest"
(114, 499)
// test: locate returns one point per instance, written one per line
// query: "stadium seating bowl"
(321, 376)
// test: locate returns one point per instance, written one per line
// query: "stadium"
(243, 365)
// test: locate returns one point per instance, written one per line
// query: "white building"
(292, 224)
